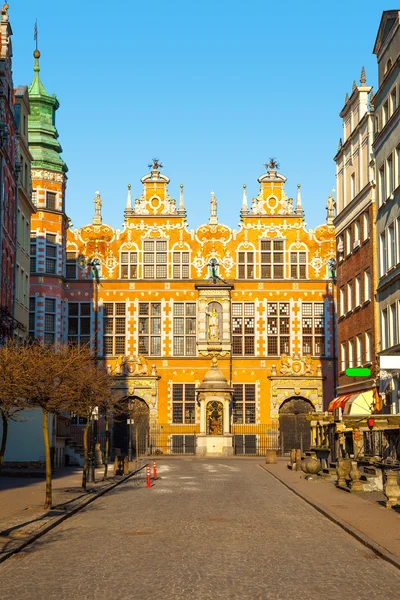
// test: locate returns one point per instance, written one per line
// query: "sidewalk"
(22, 518)
(374, 525)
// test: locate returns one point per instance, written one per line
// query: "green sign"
(358, 372)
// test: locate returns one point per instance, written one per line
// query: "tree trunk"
(4, 438)
(107, 448)
(46, 438)
(85, 454)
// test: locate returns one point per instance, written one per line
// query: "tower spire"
(363, 78)
(299, 207)
(245, 207)
(129, 198)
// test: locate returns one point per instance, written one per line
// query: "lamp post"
(130, 422)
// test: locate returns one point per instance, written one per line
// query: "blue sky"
(212, 88)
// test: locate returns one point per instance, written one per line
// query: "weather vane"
(35, 34)
(155, 165)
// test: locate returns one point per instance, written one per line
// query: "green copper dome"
(43, 143)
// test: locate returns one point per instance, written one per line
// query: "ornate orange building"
(255, 301)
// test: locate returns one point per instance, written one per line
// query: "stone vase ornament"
(391, 489)
(311, 466)
(343, 470)
(292, 464)
(355, 476)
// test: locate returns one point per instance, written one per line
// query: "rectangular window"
(243, 328)
(244, 403)
(272, 259)
(114, 328)
(357, 234)
(359, 357)
(393, 101)
(184, 329)
(51, 253)
(49, 320)
(389, 176)
(367, 285)
(342, 357)
(183, 403)
(366, 226)
(385, 112)
(33, 253)
(391, 247)
(245, 265)
(349, 296)
(51, 200)
(34, 197)
(349, 247)
(32, 317)
(278, 328)
(397, 166)
(180, 265)
(313, 328)
(150, 328)
(382, 188)
(79, 323)
(129, 265)
(352, 186)
(382, 252)
(155, 259)
(351, 354)
(71, 266)
(298, 265)
(392, 325)
(384, 329)
(368, 347)
(342, 299)
(358, 299)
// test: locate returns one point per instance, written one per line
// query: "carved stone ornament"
(47, 175)
(296, 365)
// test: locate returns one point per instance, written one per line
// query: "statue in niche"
(213, 324)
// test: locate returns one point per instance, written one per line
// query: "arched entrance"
(215, 418)
(294, 428)
(132, 428)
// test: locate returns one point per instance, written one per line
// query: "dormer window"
(129, 265)
(272, 259)
(245, 265)
(180, 265)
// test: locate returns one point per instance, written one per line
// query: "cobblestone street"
(206, 530)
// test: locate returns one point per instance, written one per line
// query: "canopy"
(354, 404)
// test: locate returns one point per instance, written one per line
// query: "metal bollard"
(154, 470)
(148, 476)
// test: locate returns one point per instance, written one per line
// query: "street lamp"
(332, 277)
(130, 422)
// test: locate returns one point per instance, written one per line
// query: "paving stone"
(212, 529)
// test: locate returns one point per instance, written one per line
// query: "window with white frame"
(382, 187)
(358, 291)
(351, 354)
(298, 265)
(272, 259)
(358, 357)
(243, 328)
(49, 320)
(32, 317)
(397, 166)
(348, 241)
(385, 112)
(393, 100)
(366, 225)
(278, 328)
(367, 285)
(33, 253)
(343, 356)
(34, 197)
(244, 398)
(71, 266)
(382, 253)
(183, 403)
(313, 328)
(391, 246)
(352, 186)
(397, 230)
(114, 326)
(79, 323)
(342, 299)
(393, 325)
(349, 296)
(180, 265)
(155, 259)
(51, 253)
(129, 265)
(368, 346)
(384, 329)
(150, 328)
(245, 265)
(357, 233)
(389, 177)
(184, 329)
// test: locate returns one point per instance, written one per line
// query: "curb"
(358, 535)
(59, 520)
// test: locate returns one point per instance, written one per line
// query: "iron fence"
(255, 440)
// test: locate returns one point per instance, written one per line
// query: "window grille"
(150, 328)
(184, 329)
(278, 328)
(243, 328)
(79, 322)
(313, 328)
(183, 403)
(114, 328)
(244, 396)
(272, 259)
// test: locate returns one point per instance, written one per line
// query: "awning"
(338, 402)
(359, 404)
